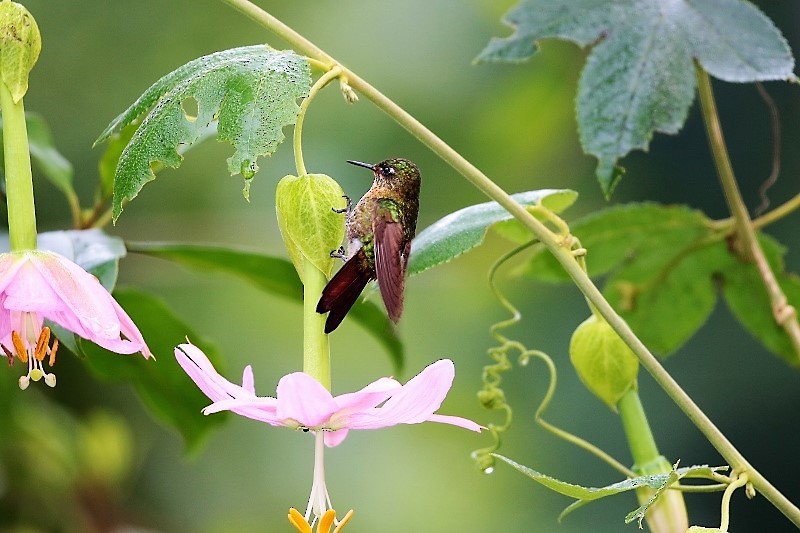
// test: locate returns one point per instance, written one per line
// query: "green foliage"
(165, 389)
(44, 154)
(309, 226)
(251, 91)
(20, 44)
(273, 275)
(463, 230)
(639, 76)
(585, 495)
(603, 361)
(663, 267)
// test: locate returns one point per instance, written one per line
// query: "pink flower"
(37, 285)
(302, 402)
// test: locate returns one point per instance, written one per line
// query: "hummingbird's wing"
(391, 256)
(343, 289)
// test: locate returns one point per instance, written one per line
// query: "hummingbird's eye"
(387, 170)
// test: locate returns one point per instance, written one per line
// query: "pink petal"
(304, 399)
(373, 394)
(9, 266)
(261, 409)
(195, 363)
(334, 438)
(248, 383)
(414, 403)
(456, 421)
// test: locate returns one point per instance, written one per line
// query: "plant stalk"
(551, 241)
(316, 349)
(19, 181)
(785, 315)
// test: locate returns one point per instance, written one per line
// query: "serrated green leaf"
(463, 230)
(308, 224)
(165, 389)
(639, 76)
(273, 275)
(584, 495)
(604, 363)
(20, 44)
(251, 91)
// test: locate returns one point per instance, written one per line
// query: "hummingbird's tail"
(343, 289)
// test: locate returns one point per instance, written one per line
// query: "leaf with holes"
(251, 91)
(639, 77)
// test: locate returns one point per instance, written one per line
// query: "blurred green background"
(517, 124)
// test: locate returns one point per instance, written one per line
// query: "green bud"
(20, 44)
(603, 361)
(310, 228)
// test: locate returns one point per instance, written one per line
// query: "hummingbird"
(379, 230)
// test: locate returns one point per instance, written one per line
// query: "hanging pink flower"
(37, 285)
(302, 402)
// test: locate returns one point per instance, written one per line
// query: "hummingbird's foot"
(339, 254)
(346, 209)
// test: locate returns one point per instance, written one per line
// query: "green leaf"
(463, 230)
(605, 364)
(275, 276)
(746, 296)
(639, 77)
(251, 91)
(165, 389)
(585, 495)
(662, 280)
(308, 224)
(20, 44)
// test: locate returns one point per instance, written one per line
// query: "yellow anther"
(298, 521)
(326, 521)
(53, 351)
(19, 347)
(42, 344)
(344, 521)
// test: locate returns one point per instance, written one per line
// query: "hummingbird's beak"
(360, 164)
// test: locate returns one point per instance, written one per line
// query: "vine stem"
(785, 315)
(551, 241)
(324, 80)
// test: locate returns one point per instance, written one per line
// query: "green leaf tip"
(639, 77)
(309, 225)
(20, 45)
(463, 230)
(251, 92)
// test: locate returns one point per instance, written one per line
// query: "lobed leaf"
(164, 388)
(273, 275)
(463, 230)
(639, 76)
(251, 91)
(664, 264)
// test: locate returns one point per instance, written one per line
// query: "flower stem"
(19, 182)
(540, 231)
(785, 315)
(637, 429)
(316, 350)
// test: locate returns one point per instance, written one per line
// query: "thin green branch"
(540, 231)
(324, 80)
(785, 315)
